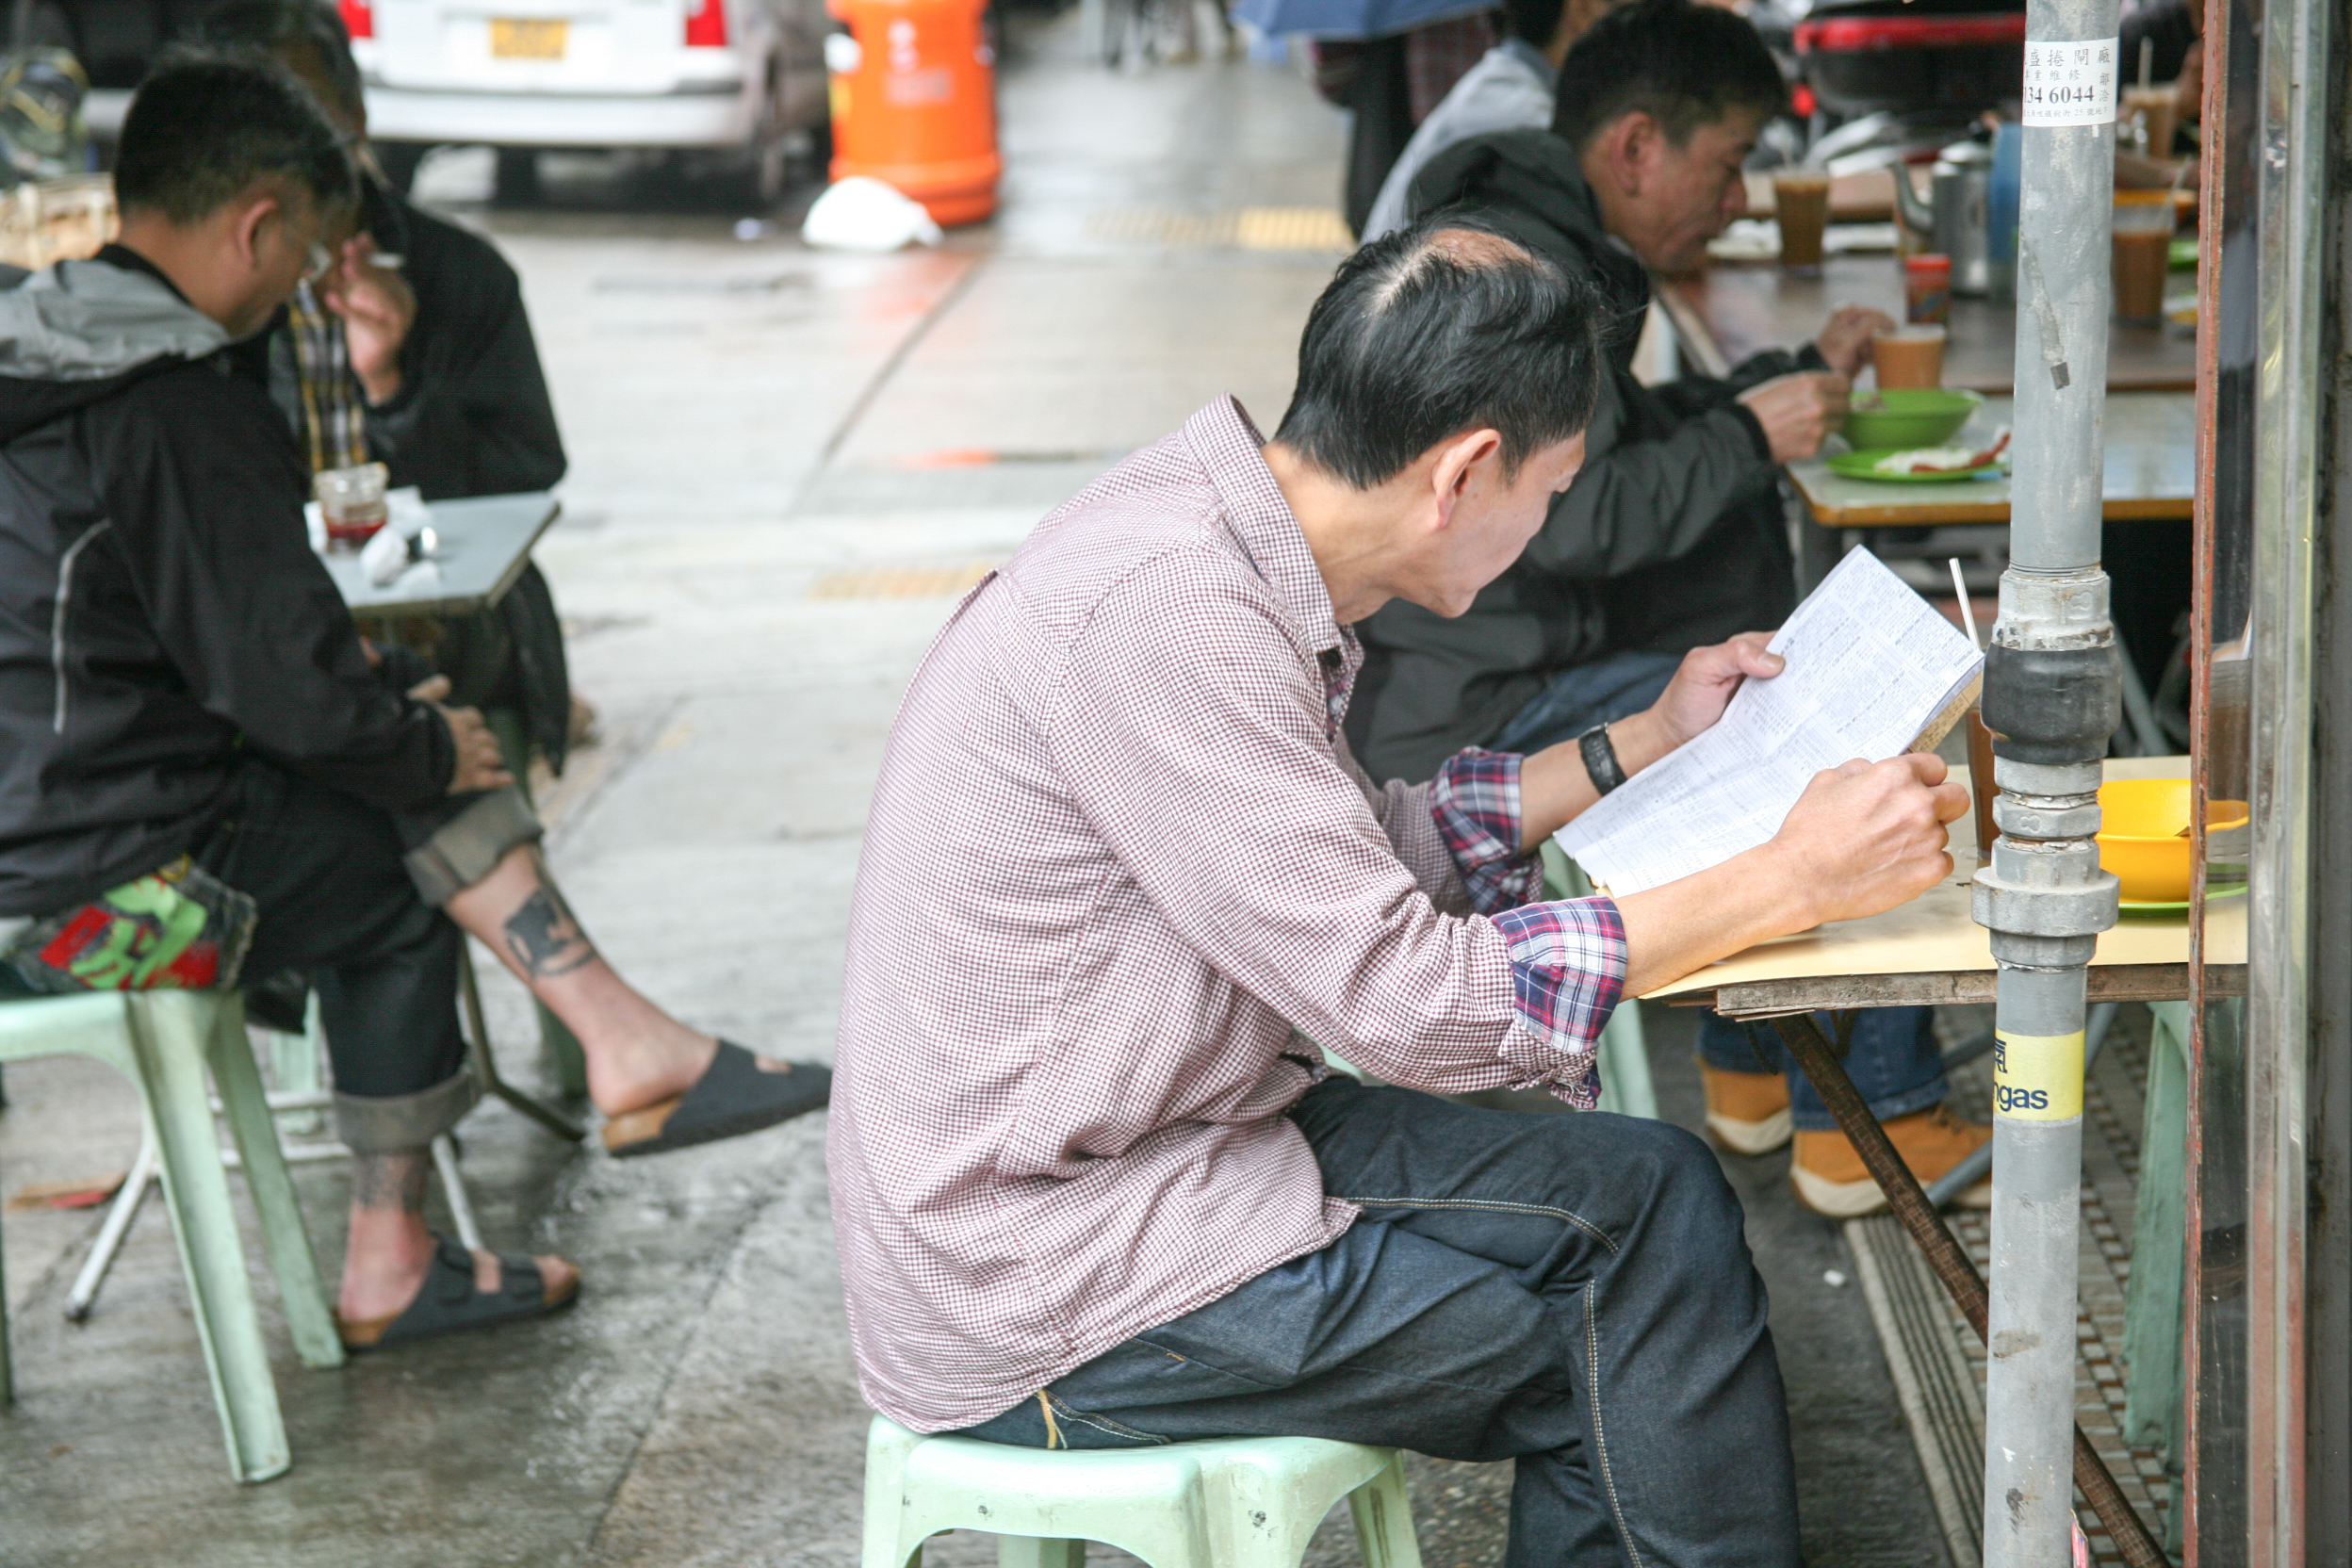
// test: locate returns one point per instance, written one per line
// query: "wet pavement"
(784, 464)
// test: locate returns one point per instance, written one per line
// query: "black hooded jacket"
(161, 614)
(1670, 537)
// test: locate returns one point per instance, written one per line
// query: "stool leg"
(1029, 1551)
(886, 1448)
(7, 1377)
(301, 1294)
(167, 1032)
(1383, 1515)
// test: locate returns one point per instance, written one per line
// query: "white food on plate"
(1926, 459)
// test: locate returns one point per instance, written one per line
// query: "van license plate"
(520, 38)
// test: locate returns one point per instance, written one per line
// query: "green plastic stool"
(162, 1042)
(1246, 1502)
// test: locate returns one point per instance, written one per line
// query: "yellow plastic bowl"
(2140, 836)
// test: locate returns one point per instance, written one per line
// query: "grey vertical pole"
(2053, 696)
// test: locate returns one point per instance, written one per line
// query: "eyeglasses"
(321, 263)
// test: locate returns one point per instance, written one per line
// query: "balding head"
(1442, 327)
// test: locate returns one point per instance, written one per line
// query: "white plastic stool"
(1246, 1502)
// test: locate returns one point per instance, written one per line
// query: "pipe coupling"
(2053, 705)
(2069, 816)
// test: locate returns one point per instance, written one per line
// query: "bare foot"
(648, 1071)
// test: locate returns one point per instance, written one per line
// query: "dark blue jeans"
(1894, 1060)
(1891, 1057)
(1573, 1291)
(1575, 699)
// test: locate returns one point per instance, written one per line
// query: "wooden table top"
(1931, 949)
(2150, 472)
(1730, 312)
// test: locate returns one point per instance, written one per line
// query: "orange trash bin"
(913, 85)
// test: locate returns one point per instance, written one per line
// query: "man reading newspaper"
(1092, 1184)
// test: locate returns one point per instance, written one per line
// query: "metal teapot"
(1956, 217)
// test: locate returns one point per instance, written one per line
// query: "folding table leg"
(125, 1209)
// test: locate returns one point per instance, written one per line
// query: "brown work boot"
(1748, 1112)
(1831, 1179)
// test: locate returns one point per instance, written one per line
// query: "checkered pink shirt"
(1120, 871)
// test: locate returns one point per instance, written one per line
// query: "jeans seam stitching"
(1578, 1221)
(1600, 1439)
(1102, 1423)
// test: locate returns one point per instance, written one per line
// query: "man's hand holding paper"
(1775, 793)
(1554, 786)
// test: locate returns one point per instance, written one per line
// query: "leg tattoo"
(543, 937)
(390, 1180)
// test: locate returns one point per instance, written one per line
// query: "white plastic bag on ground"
(861, 213)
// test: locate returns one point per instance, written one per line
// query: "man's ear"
(1630, 147)
(1457, 460)
(254, 226)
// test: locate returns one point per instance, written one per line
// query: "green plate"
(1860, 465)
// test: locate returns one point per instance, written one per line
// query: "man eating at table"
(201, 767)
(1092, 1184)
(1674, 535)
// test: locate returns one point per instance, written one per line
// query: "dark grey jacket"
(1670, 537)
(161, 614)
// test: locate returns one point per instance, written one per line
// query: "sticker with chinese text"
(2071, 84)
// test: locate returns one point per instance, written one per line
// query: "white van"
(742, 79)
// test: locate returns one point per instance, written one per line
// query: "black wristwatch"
(1600, 759)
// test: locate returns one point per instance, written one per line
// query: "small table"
(2150, 473)
(1930, 951)
(485, 543)
(1728, 312)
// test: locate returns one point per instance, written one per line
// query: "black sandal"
(449, 1304)
(735, 1095)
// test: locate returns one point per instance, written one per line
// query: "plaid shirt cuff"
(1475, 799)
(1567, 971)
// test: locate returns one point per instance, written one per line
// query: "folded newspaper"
(1873, 671)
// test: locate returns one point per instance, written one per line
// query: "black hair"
(282, 26)
(1684, 65)
(1534, 21)
(207, 127)
(1443, 326)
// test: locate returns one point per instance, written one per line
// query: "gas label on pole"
(2038, 1077)
(2071, 84)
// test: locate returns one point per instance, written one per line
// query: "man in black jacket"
(191, 727)
(1672, 535)
(427, 366)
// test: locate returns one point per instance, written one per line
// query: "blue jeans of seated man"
(1573, 1291)
(1575, 699)
(1893, 1060)
(1891, 1057)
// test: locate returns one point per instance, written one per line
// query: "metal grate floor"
(1937, 1360)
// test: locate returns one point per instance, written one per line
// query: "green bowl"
(1922, 417)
